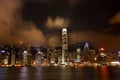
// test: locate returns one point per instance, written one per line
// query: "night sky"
(41, 21)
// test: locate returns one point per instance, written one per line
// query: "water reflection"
(3, 71)
(104, 73)
(59, 73)
(23, 75)
(65, 74)
(38, 74)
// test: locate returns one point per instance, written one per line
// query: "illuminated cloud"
(115, 19)
(58, 22)
(54, 41)
(32, 35)
(12, 27)
(98, 39)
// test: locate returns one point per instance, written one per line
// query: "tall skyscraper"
(38, 58)
(25, 58)
(13, 60)
(78, 54)
(86, 46)
(12, 55)
(29, 49)
(64, 45)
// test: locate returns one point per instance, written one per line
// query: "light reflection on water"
(104, 73)
(60, 73)
(23, 75)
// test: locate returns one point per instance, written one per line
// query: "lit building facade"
(25, 58)
(38, 58)
(13, 55)
(78, 54)
(64, 45)
(6, 60)
(13, 59)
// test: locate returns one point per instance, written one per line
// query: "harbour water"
(60, 73)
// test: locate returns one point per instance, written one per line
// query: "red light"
(102, 49)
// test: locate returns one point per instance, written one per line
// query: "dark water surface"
(60, 73)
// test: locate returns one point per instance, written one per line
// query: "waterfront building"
(13, 55)
(64, 45)
(6, 59)
(38, 58)
(13, 59)
(25, 57)
(78, 55)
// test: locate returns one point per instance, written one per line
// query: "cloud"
(109, 42)
(115, 19)
(97, 39)
(54, 41)
(73, 3)
(13, 28)
(58, 22)
(32, 35)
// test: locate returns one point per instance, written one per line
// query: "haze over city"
(41, 21)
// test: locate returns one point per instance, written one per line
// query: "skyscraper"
(64, 45)
(38, 58)
(25, 58)
(12, 60)
(78, 54)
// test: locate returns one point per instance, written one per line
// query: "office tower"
(13, 55)
(29, 49)
(25, 58)
(64, 45)
(78, 54)
(86, 53)
(29, 55)
(6, 58)
(86, 46)
(21, 49)
(38, 58)
(13, 60)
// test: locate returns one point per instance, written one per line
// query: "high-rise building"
(78, 54)
(13, 55)
(86, 52)
(64, 45)
(25, 58)
(6, 58)
(29, 49)
(38, 58)
(86, 46)
(21, 49)
(13, 60)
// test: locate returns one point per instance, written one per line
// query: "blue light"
(86, 45)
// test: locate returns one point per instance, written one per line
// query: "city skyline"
(59, 39)
(41, 21)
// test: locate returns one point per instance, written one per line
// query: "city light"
(59, 39)
(115, 63)
(3, 51)
(119, 52)
(102, 49)
(25, 51)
